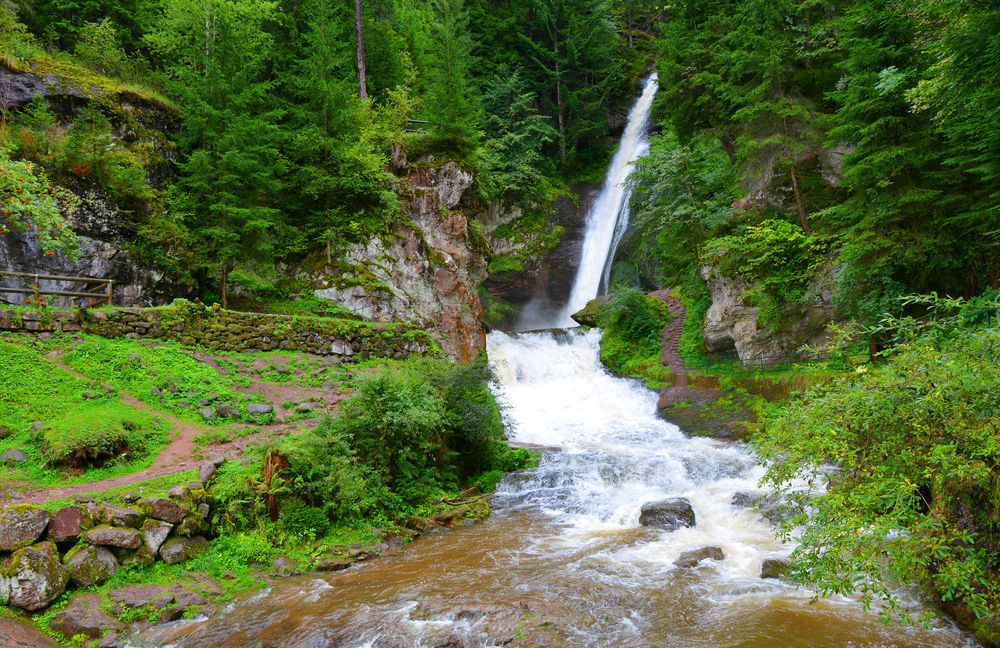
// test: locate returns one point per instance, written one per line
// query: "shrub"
(99, 435)
(915, 495)
(300, 519)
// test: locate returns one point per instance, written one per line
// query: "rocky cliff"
(426, 271)
(732, 324)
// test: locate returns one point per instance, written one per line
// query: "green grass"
(181, 379)
(34, 389)
(157, 486)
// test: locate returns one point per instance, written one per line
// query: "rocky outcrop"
(426, 271)
(85, 615)
(732, 324)
(669, 514)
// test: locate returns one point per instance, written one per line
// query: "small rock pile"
(43, 553)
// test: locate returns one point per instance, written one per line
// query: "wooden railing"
(94, 291)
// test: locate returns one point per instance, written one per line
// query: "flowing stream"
(563, 559)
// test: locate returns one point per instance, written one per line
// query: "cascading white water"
(609, 209)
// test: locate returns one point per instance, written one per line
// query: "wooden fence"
(93, 292)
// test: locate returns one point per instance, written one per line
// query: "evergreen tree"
(217, 55)
(452, 103)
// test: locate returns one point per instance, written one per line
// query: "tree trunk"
(225, 285)
(803, 216)
(359, 34)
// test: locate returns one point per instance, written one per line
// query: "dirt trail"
(671, 338)
(181, 453)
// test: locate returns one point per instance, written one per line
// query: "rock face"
(21, 526)
(32, 577)
(669, 514)
(18, 635)
(425, 272)
(732, 324)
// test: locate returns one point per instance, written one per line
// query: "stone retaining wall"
(42, 554)
(225, 330)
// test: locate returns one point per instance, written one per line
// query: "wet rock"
(669, 514)
(155, 533)
(68, 523)
(141, 556)
(770, 507)
(692, 558)
(91, 565)
(206, 584)
(109, 536)
(260, 408)
(742, 500)
(176, 550)
(131, 498)
(13, 456)
(19, 635)
(227, 411)
(32, 577)
(121, 516)
(85, 615)
(773, 568)
(706, 412)
(285, 567)
(165, 509)
(333, 564)
(21, 525)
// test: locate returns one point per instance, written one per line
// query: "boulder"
(768, 505)
(692, 558)
(68, 523)
(207, 471)
(21, 525)
(13, 456)
(20, 635)
(176, 550)
(137, 596)
(260, 408)
(164, 509)
(121, 516)
(194, 524)
(109, 536)
(141, 556)
(669, 514)
(333, 564)
(207, 413)
(227, 411)
(85, 615)
(91, 565)
(154, 533)
(5, 432)
(773, 568)
(32, 577)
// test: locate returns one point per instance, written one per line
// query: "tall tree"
(217, 55)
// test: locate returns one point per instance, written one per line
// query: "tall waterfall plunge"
(606, 220)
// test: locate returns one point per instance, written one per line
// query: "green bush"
(298, 518)
(99, 435)
(631, 344)
(916, 491)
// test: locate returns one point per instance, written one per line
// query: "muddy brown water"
(563, 561)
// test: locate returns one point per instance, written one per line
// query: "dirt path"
(671, 338)
(181, 453)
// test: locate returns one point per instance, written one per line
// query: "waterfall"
(608, 217)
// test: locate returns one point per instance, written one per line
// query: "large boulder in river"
(692, 558)
(21, 525)
(33, 577)
(90, 565)
(773, 568)
(669, 514)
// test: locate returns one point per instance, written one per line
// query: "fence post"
(109, 290)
